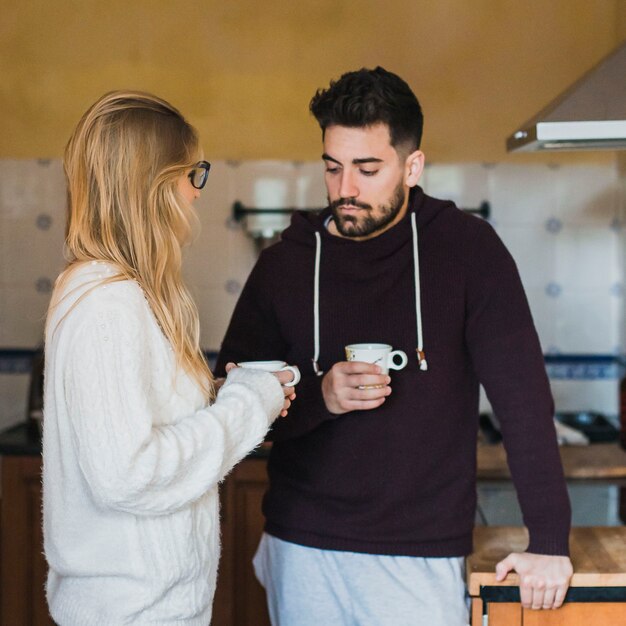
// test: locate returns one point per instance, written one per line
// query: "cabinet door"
(570, 614)
(505, 614)
(239, 598)
(499, 614)
(23, 569)
(579, 614)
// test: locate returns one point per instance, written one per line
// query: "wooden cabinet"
(240, 599)
(598, 554)
(570, 614)
(23, 569)
(599, 558)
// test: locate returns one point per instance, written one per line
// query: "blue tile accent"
(554, 225)
(43, 285)
(553, 289)
(44, 221)
(558, 366)
(585, 367)
(20, 360)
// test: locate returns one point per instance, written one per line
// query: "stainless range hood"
(590, 115)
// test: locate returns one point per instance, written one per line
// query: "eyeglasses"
(199, 174)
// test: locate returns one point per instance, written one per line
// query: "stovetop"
(595, 426)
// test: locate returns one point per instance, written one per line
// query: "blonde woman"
(136, 439)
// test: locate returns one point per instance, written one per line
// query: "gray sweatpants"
(311, 587)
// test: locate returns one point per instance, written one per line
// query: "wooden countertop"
(596, 461)
(598, 555)
(603, 461)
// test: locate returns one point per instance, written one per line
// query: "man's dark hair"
(367, 97)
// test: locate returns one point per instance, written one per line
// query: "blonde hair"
(122, 164)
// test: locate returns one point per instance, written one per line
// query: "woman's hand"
(283, 378)
(290, 392)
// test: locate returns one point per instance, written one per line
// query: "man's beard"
(362, 226)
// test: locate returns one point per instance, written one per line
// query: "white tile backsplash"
(218, 254)
(465, 184)
(24, 309)
(564, 225)
(522, 194)
(587, 321)
(533, 249)
(216, 305)
(29, 253)
(587, 257)
(588, 194)
(585, 395)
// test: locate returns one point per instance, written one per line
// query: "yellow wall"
(621, 34)
(243, 71)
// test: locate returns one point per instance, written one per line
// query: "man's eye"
(369, 172)
(332, 170)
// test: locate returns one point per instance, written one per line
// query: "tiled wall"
(563, 224)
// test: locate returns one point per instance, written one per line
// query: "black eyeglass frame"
(205, 166)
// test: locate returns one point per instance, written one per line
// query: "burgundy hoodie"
(401, 479)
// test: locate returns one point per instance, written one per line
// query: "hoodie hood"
(304, 225)
(310, 231)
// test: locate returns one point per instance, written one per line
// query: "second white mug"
(381, 354)
(274, 366)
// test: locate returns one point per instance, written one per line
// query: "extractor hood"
(590, 115)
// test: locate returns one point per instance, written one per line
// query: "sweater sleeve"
(507, 357)
(132, 462)
(254, 333)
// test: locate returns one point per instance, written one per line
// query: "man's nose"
(347, 186)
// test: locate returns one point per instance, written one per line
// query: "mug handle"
(296, 374)
(397, 366)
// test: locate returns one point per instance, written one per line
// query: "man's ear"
(414, 166)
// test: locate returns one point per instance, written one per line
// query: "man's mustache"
(349, 202)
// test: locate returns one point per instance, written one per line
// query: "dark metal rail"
(574, 594)
(240, 211)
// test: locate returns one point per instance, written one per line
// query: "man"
(372, 495)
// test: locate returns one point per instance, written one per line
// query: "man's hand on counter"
(543, 579)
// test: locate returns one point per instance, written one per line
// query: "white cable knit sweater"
(132, 459)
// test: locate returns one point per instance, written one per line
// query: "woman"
(135, 437)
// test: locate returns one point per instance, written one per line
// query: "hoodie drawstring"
(421, 356)
(316, 304)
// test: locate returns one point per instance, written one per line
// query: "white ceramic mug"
(381, 354)
(274, 366)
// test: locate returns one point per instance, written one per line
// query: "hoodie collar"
(375, 248)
